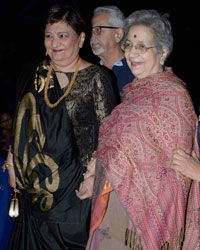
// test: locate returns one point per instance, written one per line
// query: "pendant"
(14, 206)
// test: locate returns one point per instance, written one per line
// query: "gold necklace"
(53, 105)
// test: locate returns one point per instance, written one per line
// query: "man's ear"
(82, 39)
(119, 33)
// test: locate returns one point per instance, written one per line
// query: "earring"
(162, 60)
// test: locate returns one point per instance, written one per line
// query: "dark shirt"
(122, 73)
(198, 131)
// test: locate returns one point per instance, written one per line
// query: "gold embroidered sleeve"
(105, 99)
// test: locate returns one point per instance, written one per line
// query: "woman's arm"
(104, 96)
(10, 167)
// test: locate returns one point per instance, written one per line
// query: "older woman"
(61, 105)
(138, 201)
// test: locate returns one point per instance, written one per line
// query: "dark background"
(21, 39)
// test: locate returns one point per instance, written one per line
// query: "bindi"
(134, 36)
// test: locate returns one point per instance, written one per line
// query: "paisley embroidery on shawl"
(104, 233)
(135, 145)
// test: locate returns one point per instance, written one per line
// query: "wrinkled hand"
(188, 165)
(86, 188)
(90, 168)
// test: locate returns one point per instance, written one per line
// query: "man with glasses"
(108, 25)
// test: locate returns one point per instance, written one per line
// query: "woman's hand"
(86, 187)
(188, 165)
(90, 168)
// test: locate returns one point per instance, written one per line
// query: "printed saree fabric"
(48, 171)
(89, 101)
(135, 146)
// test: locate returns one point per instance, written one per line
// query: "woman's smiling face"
(147, 63)
(62, 43)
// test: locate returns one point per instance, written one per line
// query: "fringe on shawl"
(133, 242)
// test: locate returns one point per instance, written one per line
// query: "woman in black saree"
(61, 105)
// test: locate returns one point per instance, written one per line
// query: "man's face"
(103, 42)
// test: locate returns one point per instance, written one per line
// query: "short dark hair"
(66, 13)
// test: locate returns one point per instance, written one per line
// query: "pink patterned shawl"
(135, 144)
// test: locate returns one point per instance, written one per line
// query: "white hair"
(116, 19)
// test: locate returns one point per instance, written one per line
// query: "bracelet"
(7, 165)
(92, 175)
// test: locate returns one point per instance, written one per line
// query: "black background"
(21, 37)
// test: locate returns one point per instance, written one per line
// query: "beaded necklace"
(53, 105)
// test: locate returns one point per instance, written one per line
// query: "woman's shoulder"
(172, 80)
(95, 70)
(94, 67)
(25, 80)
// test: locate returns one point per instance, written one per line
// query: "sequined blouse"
(89, 101)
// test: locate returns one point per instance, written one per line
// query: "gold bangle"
(92, 175)
(7, 165)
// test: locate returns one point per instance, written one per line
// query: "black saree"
(48, 170)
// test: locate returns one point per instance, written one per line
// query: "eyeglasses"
(96, 30)
(141, 48)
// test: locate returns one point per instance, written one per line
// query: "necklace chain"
(53, 105)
